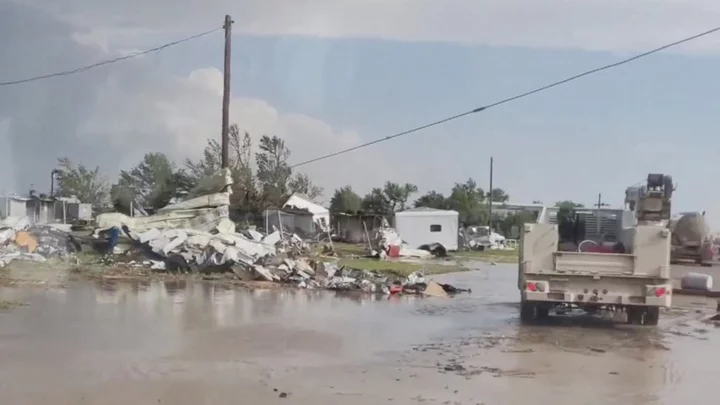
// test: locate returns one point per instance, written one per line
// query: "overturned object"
(696, 281)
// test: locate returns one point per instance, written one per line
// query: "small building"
(300, 215)
(354, 228)
(420, 226)
(319, 214)
(43, 210)
(13, 206)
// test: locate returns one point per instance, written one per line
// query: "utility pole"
(490, 194)
(599, 205)
(226, 95)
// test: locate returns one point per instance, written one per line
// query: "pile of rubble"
(19, 240)
(196, 235)
(386, 242)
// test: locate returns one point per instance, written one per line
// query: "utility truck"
(623, 264)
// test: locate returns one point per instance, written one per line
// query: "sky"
(329, 75)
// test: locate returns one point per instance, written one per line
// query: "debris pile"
(386, 242)
(196, 235)
(19, 240)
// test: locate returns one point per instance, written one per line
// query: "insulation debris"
(19, 240)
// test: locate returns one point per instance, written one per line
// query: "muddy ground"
(111, 342)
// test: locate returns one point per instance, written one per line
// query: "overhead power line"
(513, 98)
(110, 61)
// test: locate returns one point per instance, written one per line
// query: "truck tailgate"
(594, 263)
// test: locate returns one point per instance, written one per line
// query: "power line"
(107, 62)
(513, 98)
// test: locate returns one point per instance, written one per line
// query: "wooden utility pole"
(226, 95)
(599, 205)
(490, 194)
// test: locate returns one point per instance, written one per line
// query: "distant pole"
(490, 199)
(599, 205)
(597, 216)
(226, 95)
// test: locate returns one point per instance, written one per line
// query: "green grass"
(401, 268)
(10, 304)
(497, 256)
(344, 249)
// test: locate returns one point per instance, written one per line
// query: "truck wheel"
(542, 312)
(634, 315)
(527, 311)
(652, 316)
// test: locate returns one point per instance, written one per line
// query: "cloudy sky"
(331, 74)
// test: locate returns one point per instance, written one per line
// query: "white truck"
(630, 274)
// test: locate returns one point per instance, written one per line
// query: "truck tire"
(634, 315)
(542, 312)
(652, 316)
(527, 311)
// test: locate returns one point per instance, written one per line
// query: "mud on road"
(190, 343)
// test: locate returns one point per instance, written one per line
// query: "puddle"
(187, 343)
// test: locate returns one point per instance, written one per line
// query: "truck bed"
(641, 277)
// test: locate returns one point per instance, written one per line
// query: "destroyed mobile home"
(196, 235)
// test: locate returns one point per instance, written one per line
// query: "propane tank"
(690, 229)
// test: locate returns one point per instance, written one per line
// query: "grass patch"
(344, 249)
(10, 304)
(401, 268)
(497, 256)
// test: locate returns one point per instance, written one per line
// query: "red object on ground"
(396, 289)
(394, 251)
(599, 249)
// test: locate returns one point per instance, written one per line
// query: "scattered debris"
(19, 240)
(196, 235)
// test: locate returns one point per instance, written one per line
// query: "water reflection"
(108, 333)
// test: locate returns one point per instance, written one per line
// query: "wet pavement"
(196, 343)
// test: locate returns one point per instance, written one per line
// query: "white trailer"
(633, 275)
(422, 226)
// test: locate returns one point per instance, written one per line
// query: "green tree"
(274, 175)
(397, 195)
(152, 183)
(273, 171)
(301, 183)
(568, 204)
(469, 201)
(239, 154)
(505, 225)
(345, 200)
(432, 199)
(245, 198)
(376, 202)
(498, 195)
(83, 183)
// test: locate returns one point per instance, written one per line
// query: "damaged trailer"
(427, 226)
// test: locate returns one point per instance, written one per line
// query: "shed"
(420, 226)
(300, 203)
(352, 228)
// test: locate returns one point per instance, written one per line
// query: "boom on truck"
(561, 265)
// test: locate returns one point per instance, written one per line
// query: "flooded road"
(183, 343)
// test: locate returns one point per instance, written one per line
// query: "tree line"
(157, 180)
(266, 183)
